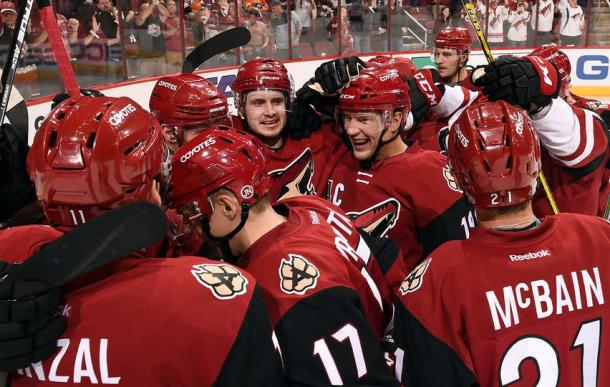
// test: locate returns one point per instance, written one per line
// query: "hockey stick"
(12, 59)
(113, 235)
(224, 41)
(472, 15)
(59, 49)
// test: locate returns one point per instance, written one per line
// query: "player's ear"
(228, 204)
(396, 121)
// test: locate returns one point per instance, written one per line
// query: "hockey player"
(522, 301)
(451, 49)
(263, 96)
(324, 311)
(574, 141)
(154, 322)
(390, 189)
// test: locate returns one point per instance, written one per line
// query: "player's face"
(266, 114)
(363, 130)
(447, 62)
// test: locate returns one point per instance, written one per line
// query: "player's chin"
(362, 152)
(269, 131)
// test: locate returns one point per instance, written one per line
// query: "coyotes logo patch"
(225, 282)
(295, 179)
(377, 220)
(297, 275)
(415, 279)
(450, 179)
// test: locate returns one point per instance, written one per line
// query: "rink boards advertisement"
(590, 77)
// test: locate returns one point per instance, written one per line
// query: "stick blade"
(113, 235)
(224, 41)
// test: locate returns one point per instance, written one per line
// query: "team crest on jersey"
(295, 179)
(416, 278)
(377, 220)
(297, 275)
(450, 179)
(225, 282)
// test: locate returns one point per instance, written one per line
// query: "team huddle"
(382, 227)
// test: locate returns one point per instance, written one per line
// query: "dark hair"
(84, 13)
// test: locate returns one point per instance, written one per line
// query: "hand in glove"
(306, 115)
(29, 323)
(336, 74)
(529, 82)
(426, 92)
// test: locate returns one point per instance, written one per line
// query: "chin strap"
(226, 252)
(368, 163)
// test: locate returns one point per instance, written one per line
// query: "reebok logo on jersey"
(528, 256)
(225, 282)
(297, 275)
(416, 278)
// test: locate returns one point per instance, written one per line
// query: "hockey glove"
(426, 91)
(16, 189)
(29, 323)
(336, 74)
(529, 82)
(308, 110)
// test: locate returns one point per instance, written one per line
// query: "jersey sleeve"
(574, 137)
(253, 358)
(431, 350)
(325, 339)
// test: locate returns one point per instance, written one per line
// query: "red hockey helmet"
(261, 74)
(220, 157)
(187, 100)
(561, 61)
(494, 154)
(455, 38)
(377, 89)
(405, 66)
(93, 154)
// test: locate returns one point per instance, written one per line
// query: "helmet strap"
(227, 254)
(368, 163)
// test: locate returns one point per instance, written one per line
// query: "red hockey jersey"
(410, 197)
(519, 308)
(324, 311)
(302, 167)
(154, 322)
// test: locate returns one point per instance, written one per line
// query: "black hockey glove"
(16, 189)
(529, 82)
(308, 110)
(426, 91)
(336, 74)
(61, 97)
(29, 322)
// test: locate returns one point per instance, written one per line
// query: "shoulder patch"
(415, 278)
(297, 275)
(225, 282)
(450, 179)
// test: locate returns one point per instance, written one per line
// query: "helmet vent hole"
(130, 150)
(227, 140)
(503, 119)
(245, 152)
(509, 163)
(476, 123)
(53, 139)
(129, 191)
(507, 141)
(60, 115)
(98, 116)
(486, 165)
(91, 140)
(481, 145)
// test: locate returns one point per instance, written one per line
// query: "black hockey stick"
(12, 59)
(113, 235)
(224, 41)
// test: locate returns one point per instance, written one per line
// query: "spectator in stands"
(8, 10)
(542, 20)
(279, 31)
(340, 32)
(88, 29)
(497, 15)
(519, 20)
(445, 19)
(363, 23)
(260, 36)
(149, 20)
(108, 19)
(171, 33)
(226, 18)
(107, 16)
(324, 16)
(306, 9)
(572, 22)
(399, 23)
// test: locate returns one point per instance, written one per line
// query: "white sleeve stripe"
(363, 251)
(453, 99)
(473, 95)
(590, 139)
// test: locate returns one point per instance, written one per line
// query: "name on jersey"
(565, 293)
(87, 368)
(528, 256)
(168, 85)
(119, 116)
(201, 146)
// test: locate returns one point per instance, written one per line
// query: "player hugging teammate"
(346, 251)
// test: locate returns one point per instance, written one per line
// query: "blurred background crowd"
(113, 40)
